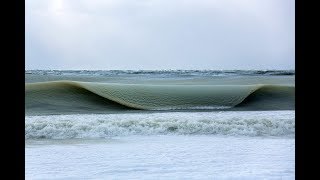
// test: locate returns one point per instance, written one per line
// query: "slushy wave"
(71, 97)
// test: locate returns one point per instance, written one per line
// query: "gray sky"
(160, 34)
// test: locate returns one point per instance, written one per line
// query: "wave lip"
(269, 123)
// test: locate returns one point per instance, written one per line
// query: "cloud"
(160, 34)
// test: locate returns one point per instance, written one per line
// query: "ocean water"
(160, 124)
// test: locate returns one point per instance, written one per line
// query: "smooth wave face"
(69, 97)
(234, 123)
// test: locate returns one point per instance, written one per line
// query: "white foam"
(163, 157)
(250, 123)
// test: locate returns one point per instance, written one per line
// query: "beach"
(160, 124)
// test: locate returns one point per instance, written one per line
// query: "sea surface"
(166, 124)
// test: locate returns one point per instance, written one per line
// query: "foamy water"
(168, 145)
(251, 123)
(162, 157)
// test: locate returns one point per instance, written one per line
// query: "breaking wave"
(234, 123)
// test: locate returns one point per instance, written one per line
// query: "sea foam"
(230, 123)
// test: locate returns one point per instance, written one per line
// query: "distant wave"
(253, 123)
(164, 72)
(70, 97)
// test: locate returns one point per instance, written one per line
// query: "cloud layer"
(159, 34)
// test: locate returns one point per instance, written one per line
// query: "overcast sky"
(160, 34)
